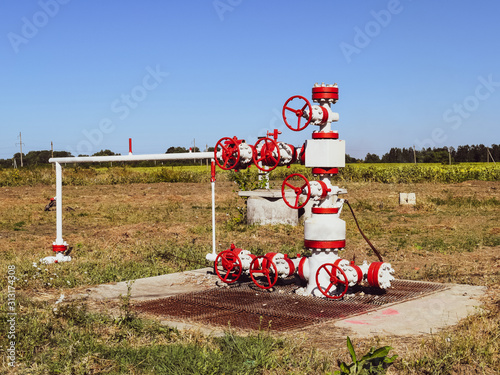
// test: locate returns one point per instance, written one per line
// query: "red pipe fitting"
(212, 171)
(323, 92)
(359, 271)
(59, 248)
(372, 276)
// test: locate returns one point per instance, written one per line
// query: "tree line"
(444, 155)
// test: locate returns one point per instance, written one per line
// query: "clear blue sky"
(88, 75)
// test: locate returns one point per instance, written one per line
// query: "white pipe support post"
(59, 246)
(59, 237)
(213, 255)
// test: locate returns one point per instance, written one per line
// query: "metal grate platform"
(246, 306)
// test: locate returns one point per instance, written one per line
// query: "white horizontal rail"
(100, 159)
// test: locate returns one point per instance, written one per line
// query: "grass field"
(126, 231)
(387, 173)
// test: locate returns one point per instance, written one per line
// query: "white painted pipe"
(102, 159)
(59, 257)
(59, 237)
(211, 257)
(214, 251)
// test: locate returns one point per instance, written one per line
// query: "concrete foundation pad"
(420, 316)
(162, 286)
(415, 317)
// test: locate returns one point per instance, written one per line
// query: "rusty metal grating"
(246, 306)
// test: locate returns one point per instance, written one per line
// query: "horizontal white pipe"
(99, 159)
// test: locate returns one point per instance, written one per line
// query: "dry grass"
(121, 232)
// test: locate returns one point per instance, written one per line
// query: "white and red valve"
(264, 270)
(298, 112)
(322, 192)
(331, 278)
(266, 154)
(233, 153)
(324, 231)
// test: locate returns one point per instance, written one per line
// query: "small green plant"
(247, 180)
(19, 225)
(375, 361)
(128, 316)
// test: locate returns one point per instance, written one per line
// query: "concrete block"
(325, 153)
(266, 206)
(270, 211)
(407, 199)
(412, 199)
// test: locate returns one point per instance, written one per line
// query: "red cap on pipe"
(212, 179)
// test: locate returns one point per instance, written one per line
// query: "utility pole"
(414, 155)
(21, 145)
(489, 153)
(52, 153)
(449, 156)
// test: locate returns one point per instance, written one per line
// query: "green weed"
(375, 361)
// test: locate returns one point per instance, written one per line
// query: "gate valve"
(284, 264)
(320, 189)
(229, 154)
(234, 153)
(228, 266)
(267, 154)
(245, 256)
(304, 188)
(353, 272)
(337, 280)
(265, 269)
(297, 112)
(287, 153)
(320, 115)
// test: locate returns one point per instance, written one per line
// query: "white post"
(59, 246)
(213, 218)
(212, 256)
(59, 237)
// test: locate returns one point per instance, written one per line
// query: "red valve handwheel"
(267, 269)
(298, 190)
(229, 153)
(227, 266)
(333, 273)
(298, 112)
(265, 155)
